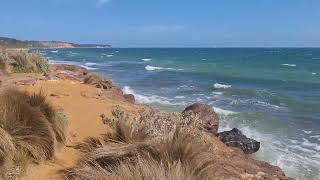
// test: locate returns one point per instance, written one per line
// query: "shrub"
(138, 148)
(23, 61)
(29, 129)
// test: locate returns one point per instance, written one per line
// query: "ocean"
(271, 94)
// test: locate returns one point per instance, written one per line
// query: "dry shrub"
(98, 81)
(27, 125)
(139, 149)
(55, 117)
(21, 61)
(29, 128)
(7, 149)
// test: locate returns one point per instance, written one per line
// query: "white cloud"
(100, 2)
(163, 28)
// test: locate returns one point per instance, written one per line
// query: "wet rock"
(208, 116)
(130, 98)
(235, 138)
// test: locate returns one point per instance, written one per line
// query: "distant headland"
(6, 42)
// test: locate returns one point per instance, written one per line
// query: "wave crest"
(221, 86)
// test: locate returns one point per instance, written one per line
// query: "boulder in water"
(235, 138)
(209, 118)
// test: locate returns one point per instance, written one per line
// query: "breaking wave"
(153, 68)
(290, 65)
(221, 86)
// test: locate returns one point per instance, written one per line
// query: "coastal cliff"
(110, 137)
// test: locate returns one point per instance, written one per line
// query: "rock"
(67, 72)
(130, 98)
(235, 138)
(207, 115)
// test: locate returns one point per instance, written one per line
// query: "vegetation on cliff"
(30, 130)
(21, 61)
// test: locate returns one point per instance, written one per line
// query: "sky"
(165, 23)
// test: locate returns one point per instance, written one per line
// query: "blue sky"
(165, 23)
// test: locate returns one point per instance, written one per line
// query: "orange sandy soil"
(83, 114)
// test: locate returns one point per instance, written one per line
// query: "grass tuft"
(30, 129)
(145, 148)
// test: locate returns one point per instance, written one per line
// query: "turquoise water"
(272, 95)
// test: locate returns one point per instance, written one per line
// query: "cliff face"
(14, 43)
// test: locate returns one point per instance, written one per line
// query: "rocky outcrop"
(209, 118)
(235, 138)
(67, 72)
(80, 74)
(130, 98)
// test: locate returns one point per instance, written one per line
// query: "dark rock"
(207, 115)
(130, 98)
(235, 138)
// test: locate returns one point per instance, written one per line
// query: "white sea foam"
(217, 93)
(179, 97)
(154, 68)
(91, 64)
(54, 51)
(290, 65)
(143, 99)
(51, 61)
(146, 59)
(223, 112)
(89, 68)
(108, 55)
(307, 132)
(73, 63)
(314, 73)
(221, 86)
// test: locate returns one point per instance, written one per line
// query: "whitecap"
(89, 68)
(91, 64)
(153, 68)
(179, 97)
(221, 86)
(307, 132)
(54, 51)
(314, 73)
(146, 59)
(108, 55)
(223, 111)
(217, 93)
(290, 65)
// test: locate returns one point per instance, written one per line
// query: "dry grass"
(20, 61)
(30, 129)
(98, 81)
(145, 148)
